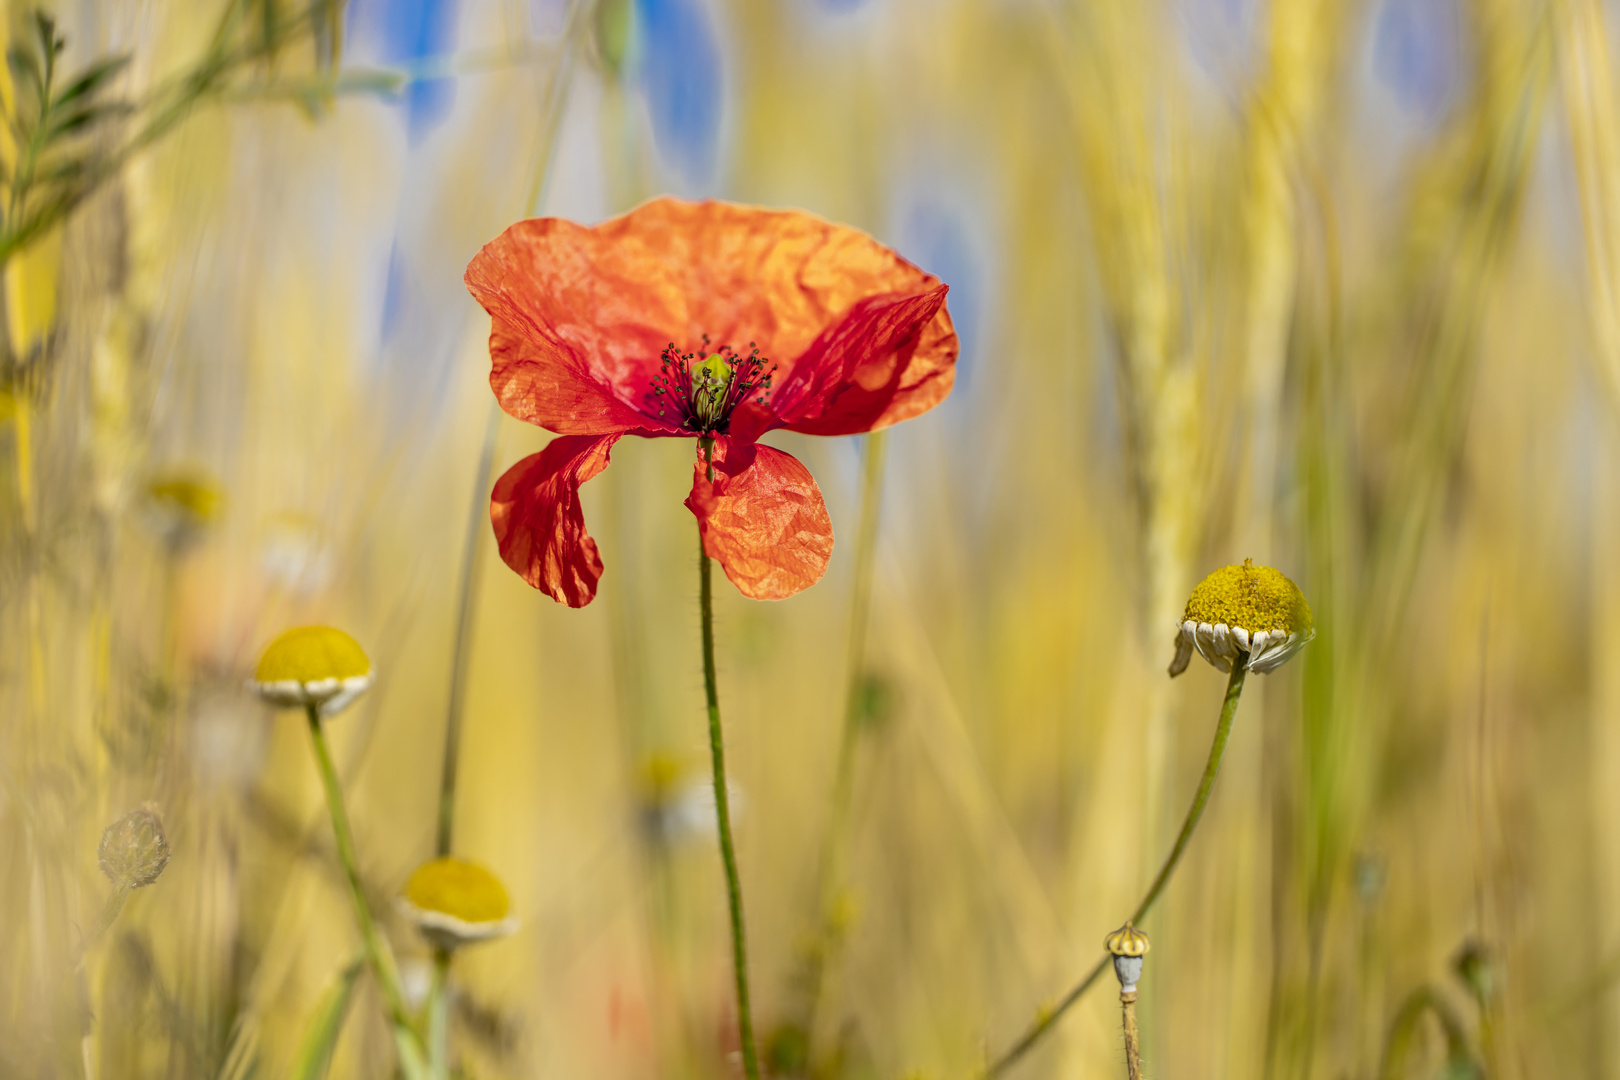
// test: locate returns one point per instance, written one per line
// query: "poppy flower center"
(704, 388)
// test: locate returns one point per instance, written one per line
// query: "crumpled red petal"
(581, 314)
(539, 523)
(888, 359)
(762, 519)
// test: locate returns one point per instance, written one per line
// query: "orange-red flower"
(699, 320)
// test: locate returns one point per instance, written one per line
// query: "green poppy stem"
(378, 955)
(1049, 1018)
(722, 813)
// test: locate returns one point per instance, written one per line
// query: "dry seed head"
(1127, 941)
(1250, 614)
(1128, 945)
(134, 849)
(312, 665)
(455, 902)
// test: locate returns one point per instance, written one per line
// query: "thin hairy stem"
(1133, 1050)
(722, 813)
(1049, 1018)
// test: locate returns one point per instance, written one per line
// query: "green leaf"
(90, 112)
(315, 1055)
(25, 67)
(68, 168)
(92, 79)
(45, 26)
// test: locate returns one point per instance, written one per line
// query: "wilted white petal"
(1257, 647)
(1280, 646)
(348, 691)
(1282, 654)
(1242, 637)
(1184, 649)
(1225, 647)
(1205, 641)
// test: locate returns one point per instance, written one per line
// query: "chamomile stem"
(1049, 1018)
(378, 954)
(438, 1017)
(722, 811)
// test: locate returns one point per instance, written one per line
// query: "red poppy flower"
(699, 320)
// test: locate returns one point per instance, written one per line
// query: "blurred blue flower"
(934, 237)
(393, 293)
(678, 67)
(401, 32)
(1417, 54)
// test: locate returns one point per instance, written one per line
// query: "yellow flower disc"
(1248, 614)
(312, 666)
(311, 654)
(192, 495)
(1256, 598)
(460, 889)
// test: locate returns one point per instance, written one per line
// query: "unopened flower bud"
(1475, 966)
(134, 849)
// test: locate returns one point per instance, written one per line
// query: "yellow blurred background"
(1332, 285)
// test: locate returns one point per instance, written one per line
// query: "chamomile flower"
(454, 902)
(1249, 614)
(313, 665)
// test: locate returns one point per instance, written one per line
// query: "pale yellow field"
(1331, 285)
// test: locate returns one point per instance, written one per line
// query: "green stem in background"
(834, 841)
(722, 813)
(478, 512)
(1460, 1060)
(466, 607)
(1050, 1017)
(378, 955)
(110, 911)
(438, 1017)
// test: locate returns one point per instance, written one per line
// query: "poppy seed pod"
(1249, 614)
(1128, 946)
(454, 902)
(312, 665)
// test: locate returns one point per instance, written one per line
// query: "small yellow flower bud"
(181, 503)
